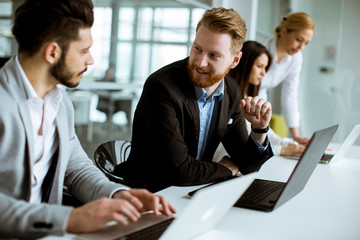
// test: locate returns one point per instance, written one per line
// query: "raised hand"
(257, 111)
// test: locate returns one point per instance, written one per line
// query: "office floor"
(102, 132)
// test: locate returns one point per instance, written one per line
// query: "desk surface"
(328, 208)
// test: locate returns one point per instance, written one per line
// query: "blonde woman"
(292, 35)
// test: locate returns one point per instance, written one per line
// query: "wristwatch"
(264, 130)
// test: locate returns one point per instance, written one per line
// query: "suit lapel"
(190, 102)
(29, 160)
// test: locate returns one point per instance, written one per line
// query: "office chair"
(110, 154)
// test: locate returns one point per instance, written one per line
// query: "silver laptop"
(340, 153)
(333, 156)
(266, 195)
(203, 211)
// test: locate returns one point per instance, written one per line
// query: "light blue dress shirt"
(206, 107)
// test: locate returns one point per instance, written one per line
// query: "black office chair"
(110, 154)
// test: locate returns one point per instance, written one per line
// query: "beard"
(204, 82)
(60, 71)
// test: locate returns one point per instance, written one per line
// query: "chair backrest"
(110, 154)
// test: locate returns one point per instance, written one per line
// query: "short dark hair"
(250, 52)
(40, 21)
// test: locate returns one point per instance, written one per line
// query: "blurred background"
(133, 38)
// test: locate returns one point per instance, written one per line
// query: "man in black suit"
(188, 107)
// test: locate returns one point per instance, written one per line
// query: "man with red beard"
(39, 149)
(188, 107)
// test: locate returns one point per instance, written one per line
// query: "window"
(5, 28)
(138, 40)
(101, 32)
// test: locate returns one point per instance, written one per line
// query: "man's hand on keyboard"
(124, 206)
(144, 200)
(94, 215)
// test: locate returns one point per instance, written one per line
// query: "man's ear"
(52, 52)
(236, 59)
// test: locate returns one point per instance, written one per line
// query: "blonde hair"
(224, 20)
(295, 21)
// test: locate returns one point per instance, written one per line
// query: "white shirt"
(276, 141)
(45, 144)
(286, 72)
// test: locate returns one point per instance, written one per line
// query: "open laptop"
(202, 212)
(331, 156)
(266, 195)
(340, 153)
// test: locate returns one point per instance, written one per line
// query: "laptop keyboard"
(150, 233)
(260, 189)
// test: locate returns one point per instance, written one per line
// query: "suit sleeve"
(242, 149)
(83, 179)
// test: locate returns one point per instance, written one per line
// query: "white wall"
(331, 96)
(247, 9)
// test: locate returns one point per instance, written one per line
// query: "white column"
(247, 10)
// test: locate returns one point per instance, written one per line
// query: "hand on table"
(292, 150)
(302, 140)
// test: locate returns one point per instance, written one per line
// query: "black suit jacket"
(166, 133)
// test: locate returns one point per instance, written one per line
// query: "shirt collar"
(28, 87)
(218, 93)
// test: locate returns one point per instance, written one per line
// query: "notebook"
(332, 156)
(203, 211)
(340, 153)
(266, 195)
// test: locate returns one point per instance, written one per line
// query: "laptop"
(331, 155)
(340, 153)
(202, 212)
(266, 195)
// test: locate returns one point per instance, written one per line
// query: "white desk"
(123, 95)
(328, 208)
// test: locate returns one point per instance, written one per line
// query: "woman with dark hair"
(255, 62)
